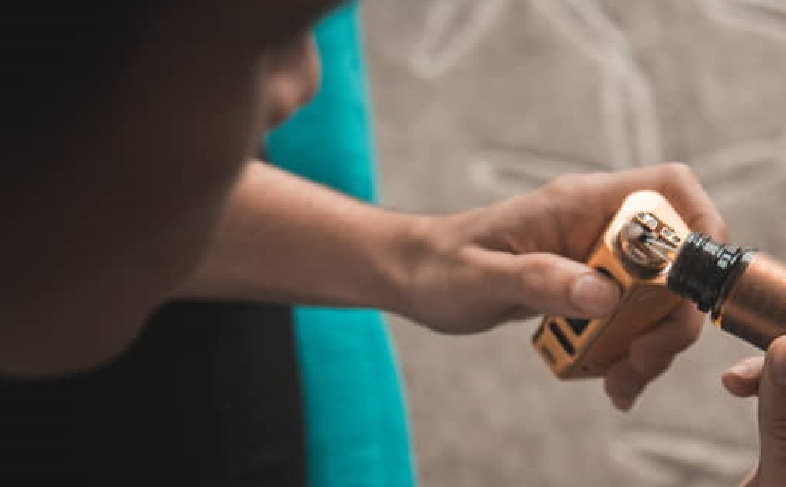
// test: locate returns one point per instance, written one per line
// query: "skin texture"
(155, 197)
(765, 377)
(100, 236)
(462, 273)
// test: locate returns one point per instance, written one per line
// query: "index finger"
(676, 182)
(742, 380)
(682, 188)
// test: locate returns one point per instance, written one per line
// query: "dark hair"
(53, 53)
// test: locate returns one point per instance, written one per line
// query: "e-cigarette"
(655, 258)
(744, 290)
(635, 250)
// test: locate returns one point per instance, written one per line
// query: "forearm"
(285, 239)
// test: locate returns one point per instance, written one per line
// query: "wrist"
(408, 243)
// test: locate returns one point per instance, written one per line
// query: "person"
(765, 377)
(153, 195)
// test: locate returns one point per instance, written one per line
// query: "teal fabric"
(355, 416)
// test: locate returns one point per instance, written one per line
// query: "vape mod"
(636, 251)
(653, 256)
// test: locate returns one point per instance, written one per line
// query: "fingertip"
(623, 384)
(623, 405)
(553, 284)
(594, 294)
(742, 379)
(735, 385)
(729, 383)
(747, 369)
(720, 231)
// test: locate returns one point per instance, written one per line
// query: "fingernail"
(594, 294)
(746, 370)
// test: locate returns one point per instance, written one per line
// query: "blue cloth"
(355, 416)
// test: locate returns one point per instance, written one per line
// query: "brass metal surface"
(755, 307)
(644, 302)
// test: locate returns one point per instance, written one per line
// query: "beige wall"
(480, 99)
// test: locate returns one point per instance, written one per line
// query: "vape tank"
(743, 290)
(655, 259)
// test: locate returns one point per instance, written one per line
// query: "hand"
(521, 258)
(767, 378)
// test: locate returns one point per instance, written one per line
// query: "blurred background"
(477, 100)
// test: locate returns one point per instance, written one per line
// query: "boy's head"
(58, 55)
(126, 124)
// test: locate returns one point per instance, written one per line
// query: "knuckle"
(691, 332)
(721, 231)
(623, 380)
(565, 183)
(532, 281)
(652, 370)
(679, 174)
(679, 177)
(714, 226)
(680, 170)
(650, 361)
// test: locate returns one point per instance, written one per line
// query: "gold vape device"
(635, 250)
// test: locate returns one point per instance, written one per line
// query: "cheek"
(290, 84)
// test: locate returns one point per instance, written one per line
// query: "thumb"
(772, 417)
(550, 284)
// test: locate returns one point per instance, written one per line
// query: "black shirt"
(208, 395)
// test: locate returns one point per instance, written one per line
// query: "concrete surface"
(477, 100)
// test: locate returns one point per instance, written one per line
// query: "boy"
(152, 117)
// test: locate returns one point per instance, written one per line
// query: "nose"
(293, 79)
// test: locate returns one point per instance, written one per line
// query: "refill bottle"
(744, 290)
